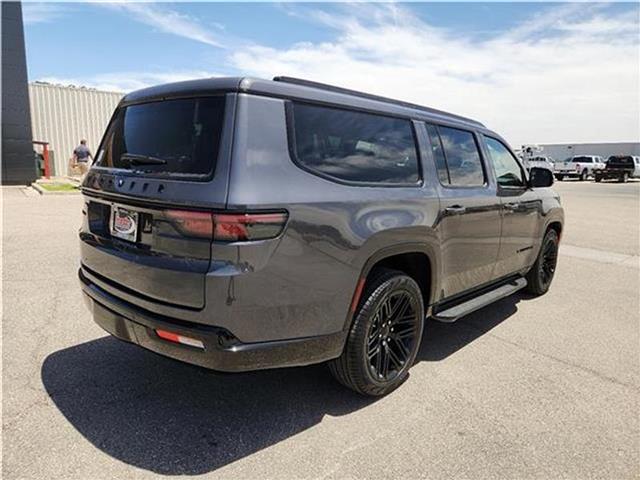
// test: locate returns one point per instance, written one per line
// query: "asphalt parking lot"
(526, 388)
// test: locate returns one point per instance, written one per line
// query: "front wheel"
(541, 274)
(584, 175)
(384, 337)
(624, 177)
(598, 178)
(559, 177)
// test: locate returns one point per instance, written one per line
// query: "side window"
(355, 146)
(507, 168)
(462, 156)
(438, 154)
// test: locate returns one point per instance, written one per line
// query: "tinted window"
(438, 154)
(353, 146)
(582, 160)
(508, 171)
(172, 136)
(462, 156)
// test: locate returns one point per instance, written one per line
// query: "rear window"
(582, 160)
(620, 160)
(354, 146)
(179, 137)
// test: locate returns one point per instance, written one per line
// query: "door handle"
(455, 210)
(512, 206)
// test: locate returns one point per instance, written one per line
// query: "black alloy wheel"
(543, 270)
(391, 335)
(385, 335)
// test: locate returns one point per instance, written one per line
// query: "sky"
(534, 72)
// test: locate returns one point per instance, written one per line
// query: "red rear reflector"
(357, 294)
(196, 224)
(175, 338)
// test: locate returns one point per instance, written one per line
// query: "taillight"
(192, 224)
(231, 227)
(228, 227)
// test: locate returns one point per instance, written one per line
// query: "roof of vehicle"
(287, 87)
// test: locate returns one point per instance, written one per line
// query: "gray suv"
(242, 224)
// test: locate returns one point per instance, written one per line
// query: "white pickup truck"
(538, 161)
(578, 166)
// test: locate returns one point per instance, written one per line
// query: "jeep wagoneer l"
(242, 224)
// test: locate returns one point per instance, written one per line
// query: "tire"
(623, 178)
(543, 270)
(559, 177)
(584, 175)
(359, 367)
(598, 178)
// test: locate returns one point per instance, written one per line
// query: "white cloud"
(167, 21)
(569, 74)
(128, 81)
(33, 13)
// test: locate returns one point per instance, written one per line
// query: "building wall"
(64, 115)
(560, 151)
(18, 163)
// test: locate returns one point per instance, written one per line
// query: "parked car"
(620, 167)
(540, 162)
(242, 224)
(579, 166)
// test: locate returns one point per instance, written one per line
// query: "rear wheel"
(598, 178)
(541, 274)
(624, 177)
(559, 177)
(385, 335)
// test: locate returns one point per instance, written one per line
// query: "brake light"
(228, 227)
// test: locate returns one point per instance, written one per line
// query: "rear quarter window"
(353, 147)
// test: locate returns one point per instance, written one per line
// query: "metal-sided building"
(561, 151)
(63, 115)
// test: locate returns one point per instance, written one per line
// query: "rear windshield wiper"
(135, 159)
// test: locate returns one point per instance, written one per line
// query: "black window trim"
(506, 188)
(291, 144)
(485, 184)
(185, 177)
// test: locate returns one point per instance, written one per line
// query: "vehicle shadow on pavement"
(443, 339)
(172, 418)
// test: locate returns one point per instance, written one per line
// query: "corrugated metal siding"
(63, 116)
(561, 151)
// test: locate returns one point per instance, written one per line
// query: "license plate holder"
(124, 223)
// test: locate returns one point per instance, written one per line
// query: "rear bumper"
(612, 173)
(222, 350)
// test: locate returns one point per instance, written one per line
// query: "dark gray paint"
(301, 284)
(18, 164)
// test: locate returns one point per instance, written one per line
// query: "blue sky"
(538, 72)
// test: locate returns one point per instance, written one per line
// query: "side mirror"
(540, 177)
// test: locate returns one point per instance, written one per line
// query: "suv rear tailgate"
(161, 264)
(157, 157)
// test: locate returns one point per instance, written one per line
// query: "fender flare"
(390, 251)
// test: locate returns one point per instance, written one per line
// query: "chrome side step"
(454, 313)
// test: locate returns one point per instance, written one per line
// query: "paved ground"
(528, 388)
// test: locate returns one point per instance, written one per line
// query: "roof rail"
(369, 96)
